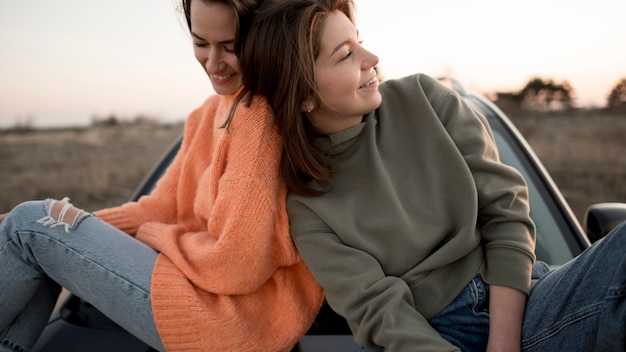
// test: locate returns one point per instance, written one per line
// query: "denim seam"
(555, 329)
(616, 292)
(79, 254)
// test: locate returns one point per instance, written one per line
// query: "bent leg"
(51, 243)
(581, 306)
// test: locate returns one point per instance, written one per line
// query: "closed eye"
(350, 52)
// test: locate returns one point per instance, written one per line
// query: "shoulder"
(252, 138)
(414, 85)
(207, 110)
(252, 117)
(417, 92)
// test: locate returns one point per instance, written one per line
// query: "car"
(75, 325)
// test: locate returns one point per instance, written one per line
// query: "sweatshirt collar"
(340, 141)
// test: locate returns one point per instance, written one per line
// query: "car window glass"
(551, 246)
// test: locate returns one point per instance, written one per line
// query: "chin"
(376, 102)
(227, 87)
(221, 90)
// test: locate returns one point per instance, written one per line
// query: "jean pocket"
(480, 292)
(465, 321)
(473, 301)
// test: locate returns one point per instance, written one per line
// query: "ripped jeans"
(46, 245)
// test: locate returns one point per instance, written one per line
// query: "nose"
(214, 62)
(369, 60)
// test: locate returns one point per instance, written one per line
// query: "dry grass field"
(100, 166)
(95, 167)
(584, 151)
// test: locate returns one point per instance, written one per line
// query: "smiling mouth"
(371, 82)
(221, 78)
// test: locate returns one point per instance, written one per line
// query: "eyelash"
(350, 52)
(226, 49)
(345, 57)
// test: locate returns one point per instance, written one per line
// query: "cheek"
(233, 62)
(331, 86)
(199, 55)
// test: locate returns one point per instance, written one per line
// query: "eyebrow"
(345, 42)
(229, 41)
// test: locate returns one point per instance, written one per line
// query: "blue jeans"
(40, 254)
(465, 321)
(581, 306)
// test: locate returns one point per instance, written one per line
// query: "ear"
(308, 106)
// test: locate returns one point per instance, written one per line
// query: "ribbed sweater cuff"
(119, 217)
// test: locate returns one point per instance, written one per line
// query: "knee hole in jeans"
(62, 213)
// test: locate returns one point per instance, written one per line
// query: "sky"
(64, 62)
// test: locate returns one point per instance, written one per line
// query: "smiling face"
(345, 78)
(213, 29)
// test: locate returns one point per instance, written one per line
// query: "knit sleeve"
(246, 237)
(160, 204)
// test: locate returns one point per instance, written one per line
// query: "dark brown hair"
(244, 10)
(277, 61)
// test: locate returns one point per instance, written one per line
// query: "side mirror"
(601, 218)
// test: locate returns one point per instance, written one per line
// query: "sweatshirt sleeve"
(241, 199)
(503, 210)
(379, 308)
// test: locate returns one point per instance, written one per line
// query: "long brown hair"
(244, 10)
(277, 61)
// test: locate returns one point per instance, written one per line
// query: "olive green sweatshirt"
(419, 206)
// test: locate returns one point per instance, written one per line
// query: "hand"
(2, 216)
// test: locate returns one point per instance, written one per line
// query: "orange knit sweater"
(228, 277)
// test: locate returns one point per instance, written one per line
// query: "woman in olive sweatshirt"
(419, 235)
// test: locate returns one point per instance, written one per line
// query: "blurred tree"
(538, 95)
(546, 95)
(110, 120)
(617, 97)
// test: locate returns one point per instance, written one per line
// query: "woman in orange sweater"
(209, 264)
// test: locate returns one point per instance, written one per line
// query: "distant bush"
(22, 125)
(110, 120)
(616, 100)
(114, 120)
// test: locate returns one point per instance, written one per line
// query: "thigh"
(99, 263)
(579, 305)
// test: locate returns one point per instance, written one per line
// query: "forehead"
(212, 21)
(337, 29)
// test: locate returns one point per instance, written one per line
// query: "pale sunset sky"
(64, 61)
